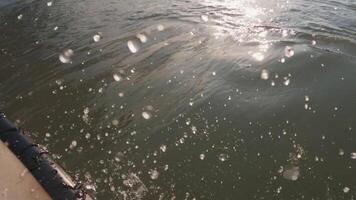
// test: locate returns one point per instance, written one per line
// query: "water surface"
(211, 99)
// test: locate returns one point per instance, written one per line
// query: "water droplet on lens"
(163, 148)
(160, 27)
(353, 155)
(205, 18)
(117, 77)
(133, 46)
(146, 115)
(264, 74)
(66, 56)
(73, 144)
(142, 37)
(286, 82)
(97, 37)
(291, 173)
(258, 56)
(288, 51)
(153, 174)
(346, 189)
(223, 157)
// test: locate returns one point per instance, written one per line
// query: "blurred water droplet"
(115, 122)
(153, 174)
(160, 27)
(307, 98)
(283, 60)
(24, 172)
(163, 148)
(205, 18)
(284, 33)
(286, 82)
(353, 155)
(55, 28)
(341, 152)
(49, 3)
(73, 144)
(202, 156)
(346, 189)
(223, 157)
(264, 74)
(214, 73)
(142, 37)
(258, 56)
(194, 129)
(133, 46)
(66, 56)
(313, 42)
(117, 77)
(19, 17)
(119, 156)
(288, 52)
(291, 173)
(146, 115)
(97, 37)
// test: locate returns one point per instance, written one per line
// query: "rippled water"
(169, 99)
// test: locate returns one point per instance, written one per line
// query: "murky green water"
(211, 99)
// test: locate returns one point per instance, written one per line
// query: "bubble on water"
(258, 56)
(48, 135)
(55, 28)
(353, 155)
(191, 103)
(97, 37)
(66, 56)
(160, 27)
(346, 189)
(121, 94)
(264, 74)
(202, 156)
(87, 135)
(73, 144)
(142, 37)
(205, 18)
(163, 148)
(133, 46)
(117, 77)
(313, 42)
(223, 157)
(273, 83)
(49, 3)
(20, 16)
(291, 173)
(213, 73)
(153, 174)
(283, 60)
(286, 81)
(288, 51)
(146, 115)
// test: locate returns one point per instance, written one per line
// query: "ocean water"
(173, 99)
